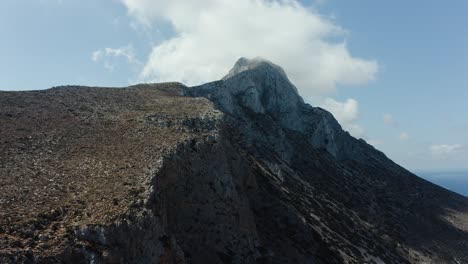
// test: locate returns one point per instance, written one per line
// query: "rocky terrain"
(239, 170)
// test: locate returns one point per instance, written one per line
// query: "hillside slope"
(240, 170)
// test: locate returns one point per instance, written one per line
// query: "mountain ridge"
(238, 170)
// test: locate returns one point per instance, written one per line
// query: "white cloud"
(404, 136)
(210, 35)
(388, 119)
(108, 56)
(445, 149)
(347, 114)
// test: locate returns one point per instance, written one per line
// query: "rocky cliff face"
(259, 87)
(240, 170)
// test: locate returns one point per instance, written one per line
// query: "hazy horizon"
(455, 181)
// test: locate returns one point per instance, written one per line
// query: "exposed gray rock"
(260, 87)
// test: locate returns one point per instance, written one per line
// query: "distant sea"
(456, 181)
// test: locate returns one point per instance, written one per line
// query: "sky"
(392, 72)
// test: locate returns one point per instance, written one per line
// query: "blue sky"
(393, 72)
(422, 47)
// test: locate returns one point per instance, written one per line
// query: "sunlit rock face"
(239, 170)
(257, 86)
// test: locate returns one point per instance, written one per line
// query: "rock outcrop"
(239, 170)
(262, 88)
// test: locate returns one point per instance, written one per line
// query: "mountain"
(238, 170)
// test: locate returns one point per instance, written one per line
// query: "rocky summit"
(239, 170)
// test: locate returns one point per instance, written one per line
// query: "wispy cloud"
(108, 56)
(404, 136)
(446, 149)
(389, 120)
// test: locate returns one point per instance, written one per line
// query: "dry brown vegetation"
(73, 156)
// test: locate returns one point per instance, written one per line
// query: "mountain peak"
(244, 64)
(258, 85)
(262, 87)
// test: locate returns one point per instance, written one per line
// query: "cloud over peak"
(211, 34)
